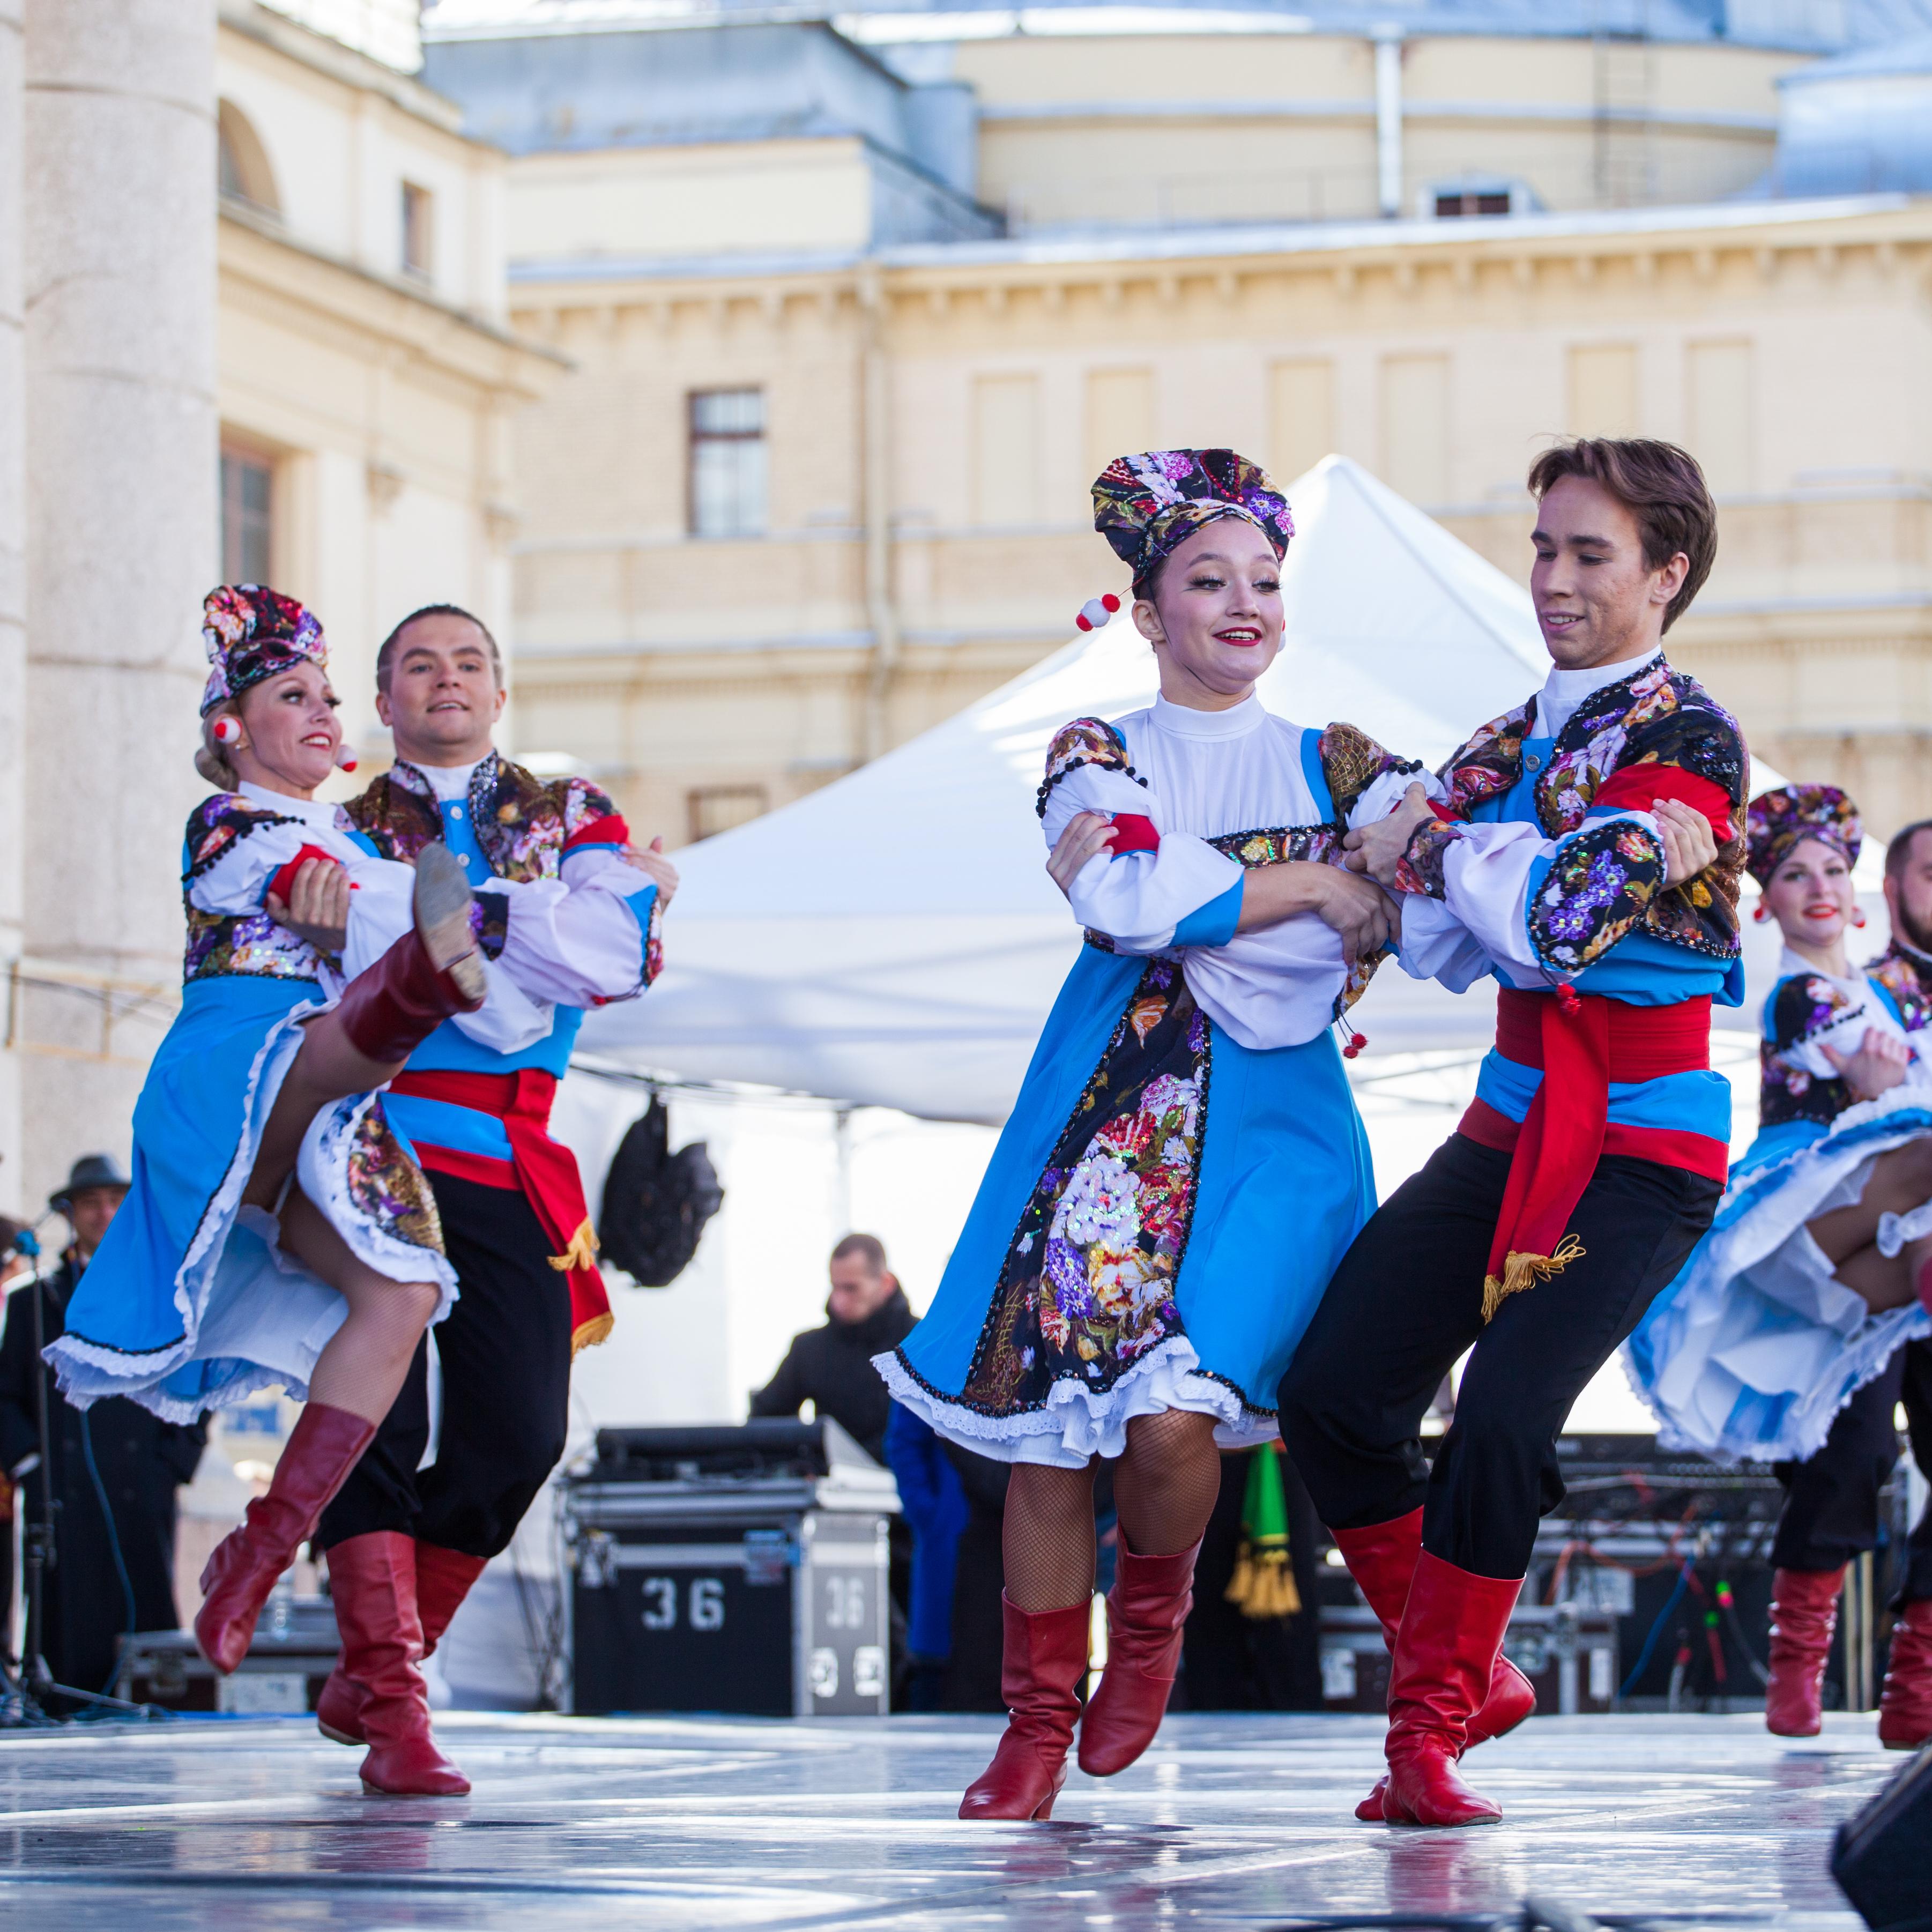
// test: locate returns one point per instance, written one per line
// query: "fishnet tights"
(1164, 1486)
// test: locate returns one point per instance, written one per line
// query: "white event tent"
(893, 940)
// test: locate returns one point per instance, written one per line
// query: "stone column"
(12, 576)
(121, 447)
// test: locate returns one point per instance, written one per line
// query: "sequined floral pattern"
(1087, 1289)
(1282, 845)
(1780, 819)
(250, 632)
(1655, 716)
(1146, 505)
(1086, 741)
(1420, 869)
(246, 945)
(521, 821)
(388, 1187)
(1595, 893)
(1351, 761)
(1804, 1008)
(1907, 977)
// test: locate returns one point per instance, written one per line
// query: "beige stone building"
(856, 311)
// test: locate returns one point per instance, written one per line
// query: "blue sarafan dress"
(1184, 1166)
(190, 1303)
(1751, 1353)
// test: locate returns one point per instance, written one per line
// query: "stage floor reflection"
(671, 1823)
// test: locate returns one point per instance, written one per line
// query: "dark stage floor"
(669, 1824)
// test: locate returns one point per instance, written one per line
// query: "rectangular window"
(418, 231)
(1120, 416)
(1415, 427)
(727, 463)
(1722, 437)
(1301, 401)
(248, 517)
(1603, 390)
(711, 809)
(1005, 451)
(1489, 201)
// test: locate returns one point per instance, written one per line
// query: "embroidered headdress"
(1146, 505)
(1778, 821)
(252, 632)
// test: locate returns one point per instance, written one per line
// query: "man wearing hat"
(115, 1467)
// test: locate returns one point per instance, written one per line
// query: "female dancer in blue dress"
(278, 1230)
(1184, 1165)
(1818, 1268)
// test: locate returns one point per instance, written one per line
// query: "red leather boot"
(1043, 1661)
(387, 1010)
(1905, 1708)
(374, 1578)
(324, 1445)
(1381, 1559)
(1803, 1613)
(1445, 1654)
(1146, 1610)
(443, 1579)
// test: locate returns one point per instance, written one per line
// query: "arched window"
(245, 174)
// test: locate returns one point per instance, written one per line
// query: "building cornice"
(254, 251)
(1394, 256)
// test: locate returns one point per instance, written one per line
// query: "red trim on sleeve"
(1133, 832)
(1636, 786)
(283, 883)
(608, 831)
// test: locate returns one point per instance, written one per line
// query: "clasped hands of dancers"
(1132, 1285)
(346, 1127)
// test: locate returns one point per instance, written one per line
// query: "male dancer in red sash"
(1588, 856)
(405, 1545)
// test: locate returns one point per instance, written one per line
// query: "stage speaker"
(1880, 1857)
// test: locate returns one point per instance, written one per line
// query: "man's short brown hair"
(870, 1246)
(1898, 853)
(386, 653)
(1659, 484)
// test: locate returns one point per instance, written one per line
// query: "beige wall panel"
(1415, 427)
(1005, 451)
(1603, 390)
(1722, 433)
(1128, 171)
(1301, 404)
(1120, 416)
(1168, 66)
(690, 201)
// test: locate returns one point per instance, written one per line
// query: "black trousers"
(1407, 1300)
(506, 1355)
(1831, 1502)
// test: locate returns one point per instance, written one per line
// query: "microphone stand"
(42, 1553)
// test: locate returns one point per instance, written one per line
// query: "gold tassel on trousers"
(1521, 1271)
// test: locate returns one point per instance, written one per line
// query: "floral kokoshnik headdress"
(1146, 505)
(1777, 821)
(251, 633)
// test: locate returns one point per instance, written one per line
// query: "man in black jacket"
(831, 1366)
(115, 1456)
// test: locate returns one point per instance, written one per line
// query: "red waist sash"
(544, 1169)
(1582, 1043)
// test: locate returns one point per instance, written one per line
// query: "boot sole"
(441, 902)
(336, 1737)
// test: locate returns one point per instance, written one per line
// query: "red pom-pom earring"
(1762, 914)
(1857, 915)
(345, 757)
(225, 730)
(1096, 611)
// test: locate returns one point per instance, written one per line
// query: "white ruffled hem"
(1075, 1424)
(1762, 1319)
(274, 1346)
